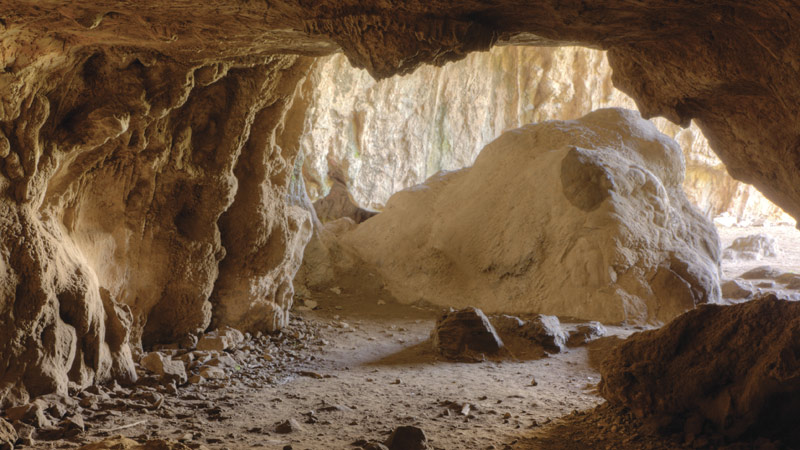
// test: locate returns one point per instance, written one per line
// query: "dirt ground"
(358, 366)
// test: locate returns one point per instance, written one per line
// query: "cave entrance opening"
(365, 140)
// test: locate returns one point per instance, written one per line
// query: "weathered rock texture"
(734, 366)
(582, 218)
(128, 164)
(136, 192)
(391, 134)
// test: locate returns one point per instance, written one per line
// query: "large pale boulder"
(581, 218)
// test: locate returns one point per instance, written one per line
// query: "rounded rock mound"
(583, 218)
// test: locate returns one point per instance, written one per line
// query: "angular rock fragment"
(288, 426)
(212, 373)
(735, 290)
(585, 333)
(408, 438)
(465, 334)
(544, 331)
(220, 340)
(164, 366)
(735, 366)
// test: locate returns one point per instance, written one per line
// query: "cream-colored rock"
(392, 134)
(581, 218)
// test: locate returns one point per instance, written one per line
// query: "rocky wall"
(394, 133)
(135, 191)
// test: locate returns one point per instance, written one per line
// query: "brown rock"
(212, 373)
(544, 331)
(164, 366)
(288, 426)
(732, 365)
(407, 438)
(465, 334)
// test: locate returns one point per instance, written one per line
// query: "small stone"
(336, 290)
(407, 438)
(310, 304)
(223, 360)
(381, 302)
(534, 382)
(288, 426)
(164, 366)
(212, 373)
(586, 333)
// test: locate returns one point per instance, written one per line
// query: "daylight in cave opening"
(217, 232)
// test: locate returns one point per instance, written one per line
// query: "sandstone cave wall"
(141, 198)
(392, 134)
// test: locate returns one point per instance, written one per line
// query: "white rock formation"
(752, 247)
(395, 133)
(583, 218)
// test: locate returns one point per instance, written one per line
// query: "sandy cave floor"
(355, 368)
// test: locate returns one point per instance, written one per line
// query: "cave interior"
(399, 225)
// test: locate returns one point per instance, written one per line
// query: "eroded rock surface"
(581, 218)
(129, 176)
(139, 198)
(732, 366)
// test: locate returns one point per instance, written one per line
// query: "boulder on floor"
(736, 367)
(754, 246)
(542, 331)
(584, 218)
(465, 334)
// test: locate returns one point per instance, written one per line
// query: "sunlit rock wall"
(395, 133)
